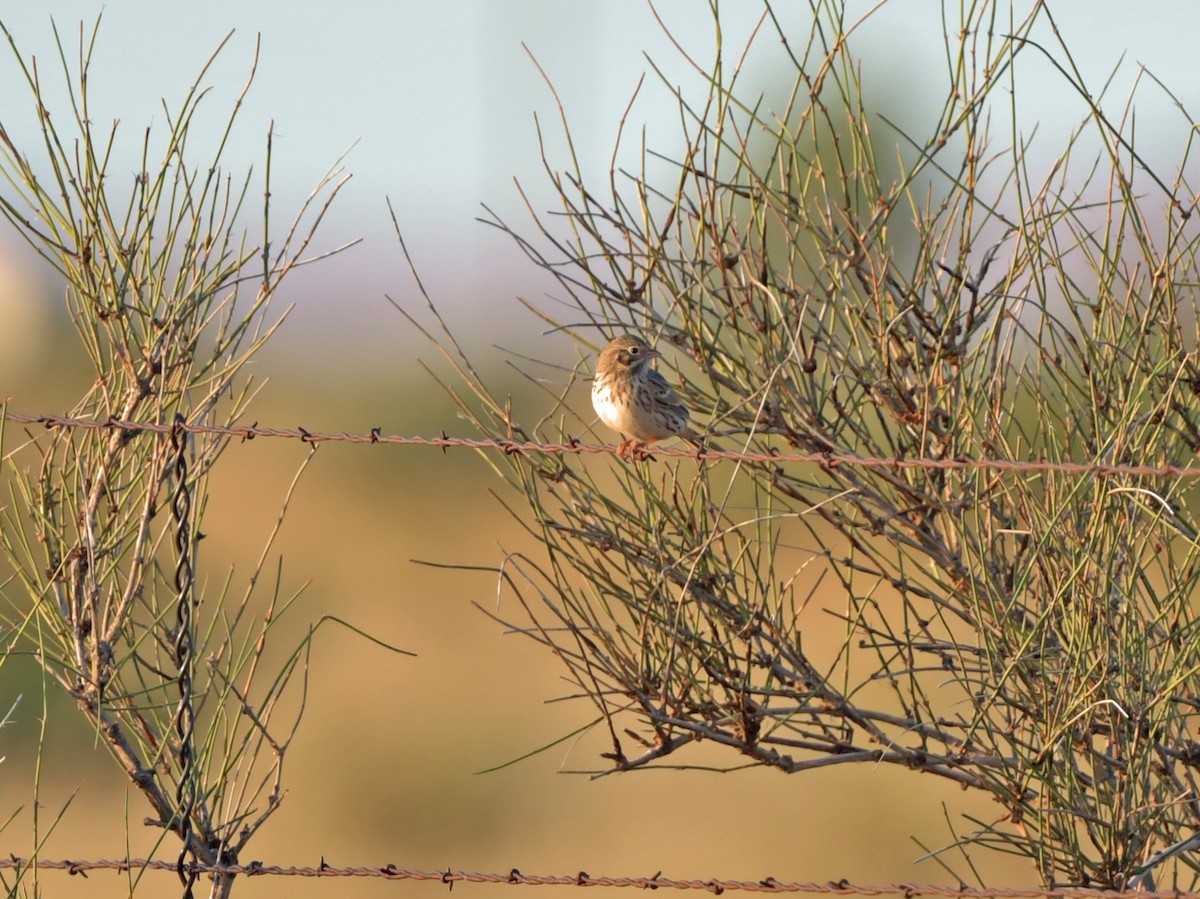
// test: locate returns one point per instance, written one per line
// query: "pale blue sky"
(440, 98)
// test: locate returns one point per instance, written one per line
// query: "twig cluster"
(833, 285)
(170, 298)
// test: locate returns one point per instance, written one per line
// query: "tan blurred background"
(441, 98)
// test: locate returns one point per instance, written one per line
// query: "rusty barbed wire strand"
(444, 441)
(656, 882)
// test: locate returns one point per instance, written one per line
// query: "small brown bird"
(633, 398)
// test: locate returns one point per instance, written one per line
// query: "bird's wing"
(664, 395)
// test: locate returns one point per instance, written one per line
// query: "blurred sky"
(439, 99)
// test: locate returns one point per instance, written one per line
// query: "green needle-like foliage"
(821, 280)
(170, 297)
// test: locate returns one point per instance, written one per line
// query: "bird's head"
(625, 352)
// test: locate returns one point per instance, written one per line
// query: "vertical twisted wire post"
(185, 716)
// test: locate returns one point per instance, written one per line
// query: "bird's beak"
(653, 352)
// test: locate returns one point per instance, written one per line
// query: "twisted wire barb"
(185, 714)
(575, 447)
(515, 877)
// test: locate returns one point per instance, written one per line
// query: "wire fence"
(576, 447)
(515, 877)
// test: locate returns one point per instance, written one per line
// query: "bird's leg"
(640, 452)
(634, 450)
(625, 447)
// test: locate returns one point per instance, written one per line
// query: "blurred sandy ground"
(384, 769)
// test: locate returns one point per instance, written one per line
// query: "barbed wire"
(515, 877)
(575, 447)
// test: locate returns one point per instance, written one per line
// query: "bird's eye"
(633, 351)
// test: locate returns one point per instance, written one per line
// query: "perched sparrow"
(631, 397)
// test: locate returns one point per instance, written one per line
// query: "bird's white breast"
(606, 408)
